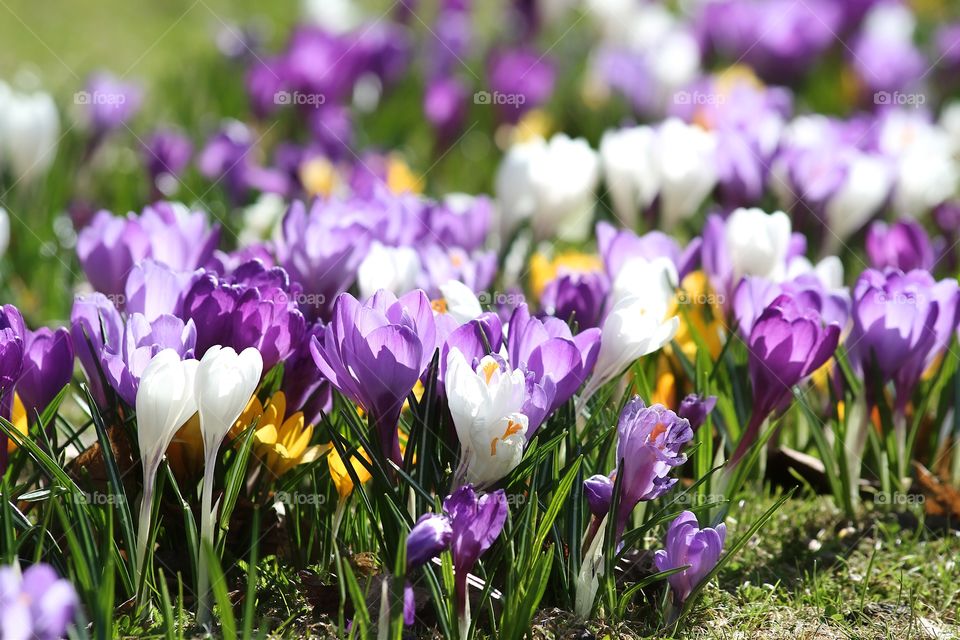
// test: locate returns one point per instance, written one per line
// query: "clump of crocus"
(787, 343)
(375, 352)
(35, 604)
(687, 545)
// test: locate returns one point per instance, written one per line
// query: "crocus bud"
(599, 492)
(687, 545)
(427, 539)
(903, 245)
(696, 408)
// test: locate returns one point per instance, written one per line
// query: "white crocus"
(629, 169)
(165, 401)
(551, 183)
(653, 280)
(486, 405)
(225, 382)
(863, 192)
(460, 301)
(687, 168)
(395, 269)
(30, 134)
(636, 326)
(758, 243)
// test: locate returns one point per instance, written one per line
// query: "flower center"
(489, 368)
(512, 428)
(439, 305)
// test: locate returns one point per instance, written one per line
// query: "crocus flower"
(111, 103)
(636, 326)
(396, 269)
(748, 243)
(47, 368)
(486, 405)
(280, 441)
(375, 352)
(476, 523)
(904, 245)
(109, 247)
(165, 400)
(901, 323)
(687, 545)
(649, 440)
(12, 345)
(558, 361)
(629, 158)
(695, 409)
(225, 380)
(578, 297)
(685, 158)
(254, 306)
(788, 342)
(598, 490)
(523, 77)
(37, 604)
(166, 154)
(428, 538)
(445, 107)
(551, 184)
(31, 134)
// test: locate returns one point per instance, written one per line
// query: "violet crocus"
(557, 360)
(445, 107)
(305, 389)
(166, 153)
(523, 77)
(476, 523)
(787, 343)
(252, 307)
(687, 545)
(579, 297)
(695, 408)
(649, 440)
(36, 604)
(111, 102)
(12, 345)
(904, 245)
(901, 323)
(47, 368)
(374, 352)
(228, 157)
(428, 538)
(168, 232)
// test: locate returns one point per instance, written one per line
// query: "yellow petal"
(19, 419)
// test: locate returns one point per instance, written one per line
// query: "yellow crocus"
(280, 442)
(18, 417)
(318, 176)
(338, 471)
(701, 313)
(400, 179)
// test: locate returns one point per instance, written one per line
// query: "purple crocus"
(695, 409)
(374, 353)
(306, 390)
(577, 296)
(47, 368)
(598, 490)
(687, 545)
(901, 323)
(787, 343)
(38, 604)
(476, 523)
(111, 102)
(649, 440)
(228, 157)
(12, 345)
(445, 107)
(904, 245)
(556, 360)
(110, 246)
(121, 350)
(427, 539)
(166, 153)
(254, 306)
(520, 79)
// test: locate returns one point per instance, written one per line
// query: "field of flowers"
(462, 319)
